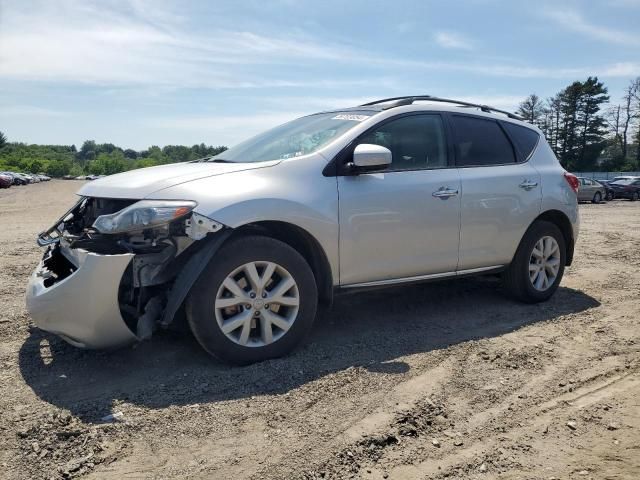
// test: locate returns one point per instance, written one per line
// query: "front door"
(404, 221)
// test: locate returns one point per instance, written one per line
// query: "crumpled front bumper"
(82, 308)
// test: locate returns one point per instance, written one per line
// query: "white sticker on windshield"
(348, 116)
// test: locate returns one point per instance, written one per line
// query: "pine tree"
(532, 109)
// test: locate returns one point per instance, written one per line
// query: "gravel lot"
(431, 381)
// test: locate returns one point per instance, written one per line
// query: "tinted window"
(524, 138)
(481, 142)
(416, 141)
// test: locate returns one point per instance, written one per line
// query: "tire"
(597, 198)
(609, 196)
(634, 196)
(206, 313)
(517, 278)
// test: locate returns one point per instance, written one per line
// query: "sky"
(138, 73)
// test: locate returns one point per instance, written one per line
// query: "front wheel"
(538, 265)
(255, 300)
(597, 198)
(634, 196)
(609, 196)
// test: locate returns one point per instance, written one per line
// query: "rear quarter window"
(524, 138)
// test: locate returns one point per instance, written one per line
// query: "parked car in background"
(610, 193)
(627, 188)
(622, 177)
(6, 180)
(14, 180)
(248, 242)
(19, 179)
(591, 190)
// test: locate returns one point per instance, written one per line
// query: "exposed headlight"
(143, 214)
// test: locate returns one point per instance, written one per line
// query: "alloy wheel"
(257, 304)
(544, 263)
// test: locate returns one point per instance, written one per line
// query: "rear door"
(501, 193)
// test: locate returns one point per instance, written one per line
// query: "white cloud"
(575, 21)
(11, 111)
(453, 40)
(146, 45)
(232, 128)
(79, 43)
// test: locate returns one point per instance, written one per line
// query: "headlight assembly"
(142, 215)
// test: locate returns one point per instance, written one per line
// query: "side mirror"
(368, 156)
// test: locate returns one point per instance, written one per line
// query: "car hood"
(137, 184)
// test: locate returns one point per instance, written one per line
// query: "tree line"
(587, 131)
(93, 158)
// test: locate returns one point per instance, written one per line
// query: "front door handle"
(445, 192)
(528, 185)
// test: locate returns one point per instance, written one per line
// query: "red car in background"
(5, 180)
(627, 188)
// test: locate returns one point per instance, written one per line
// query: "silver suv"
(249, 242)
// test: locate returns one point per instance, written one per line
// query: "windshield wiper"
(216, 160)
(210, 159)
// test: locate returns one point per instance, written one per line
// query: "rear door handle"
(528, 185)
(445, 192)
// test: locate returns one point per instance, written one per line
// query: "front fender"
(293, 192)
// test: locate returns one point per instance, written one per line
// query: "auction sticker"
(348, 116)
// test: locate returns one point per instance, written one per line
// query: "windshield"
(294, 139)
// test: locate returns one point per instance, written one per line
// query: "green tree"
(35, 166)
(3, 140)
(532, 109)
(580, 126)
(75, 170)
(58, 168)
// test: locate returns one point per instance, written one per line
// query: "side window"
(524, 138)
(416, 142)
(480, 141)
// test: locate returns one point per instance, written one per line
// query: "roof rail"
(408, 100)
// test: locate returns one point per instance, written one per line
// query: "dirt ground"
(447, 380)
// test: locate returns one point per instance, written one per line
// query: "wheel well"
(562, 222)
(305, 244)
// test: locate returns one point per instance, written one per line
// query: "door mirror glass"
(370, 156)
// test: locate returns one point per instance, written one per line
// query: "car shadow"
(373, 330)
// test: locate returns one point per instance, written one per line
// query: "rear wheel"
(634, 196)
(255, 300)
(597, 198)
(538, 265)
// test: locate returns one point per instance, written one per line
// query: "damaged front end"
(115, 269)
